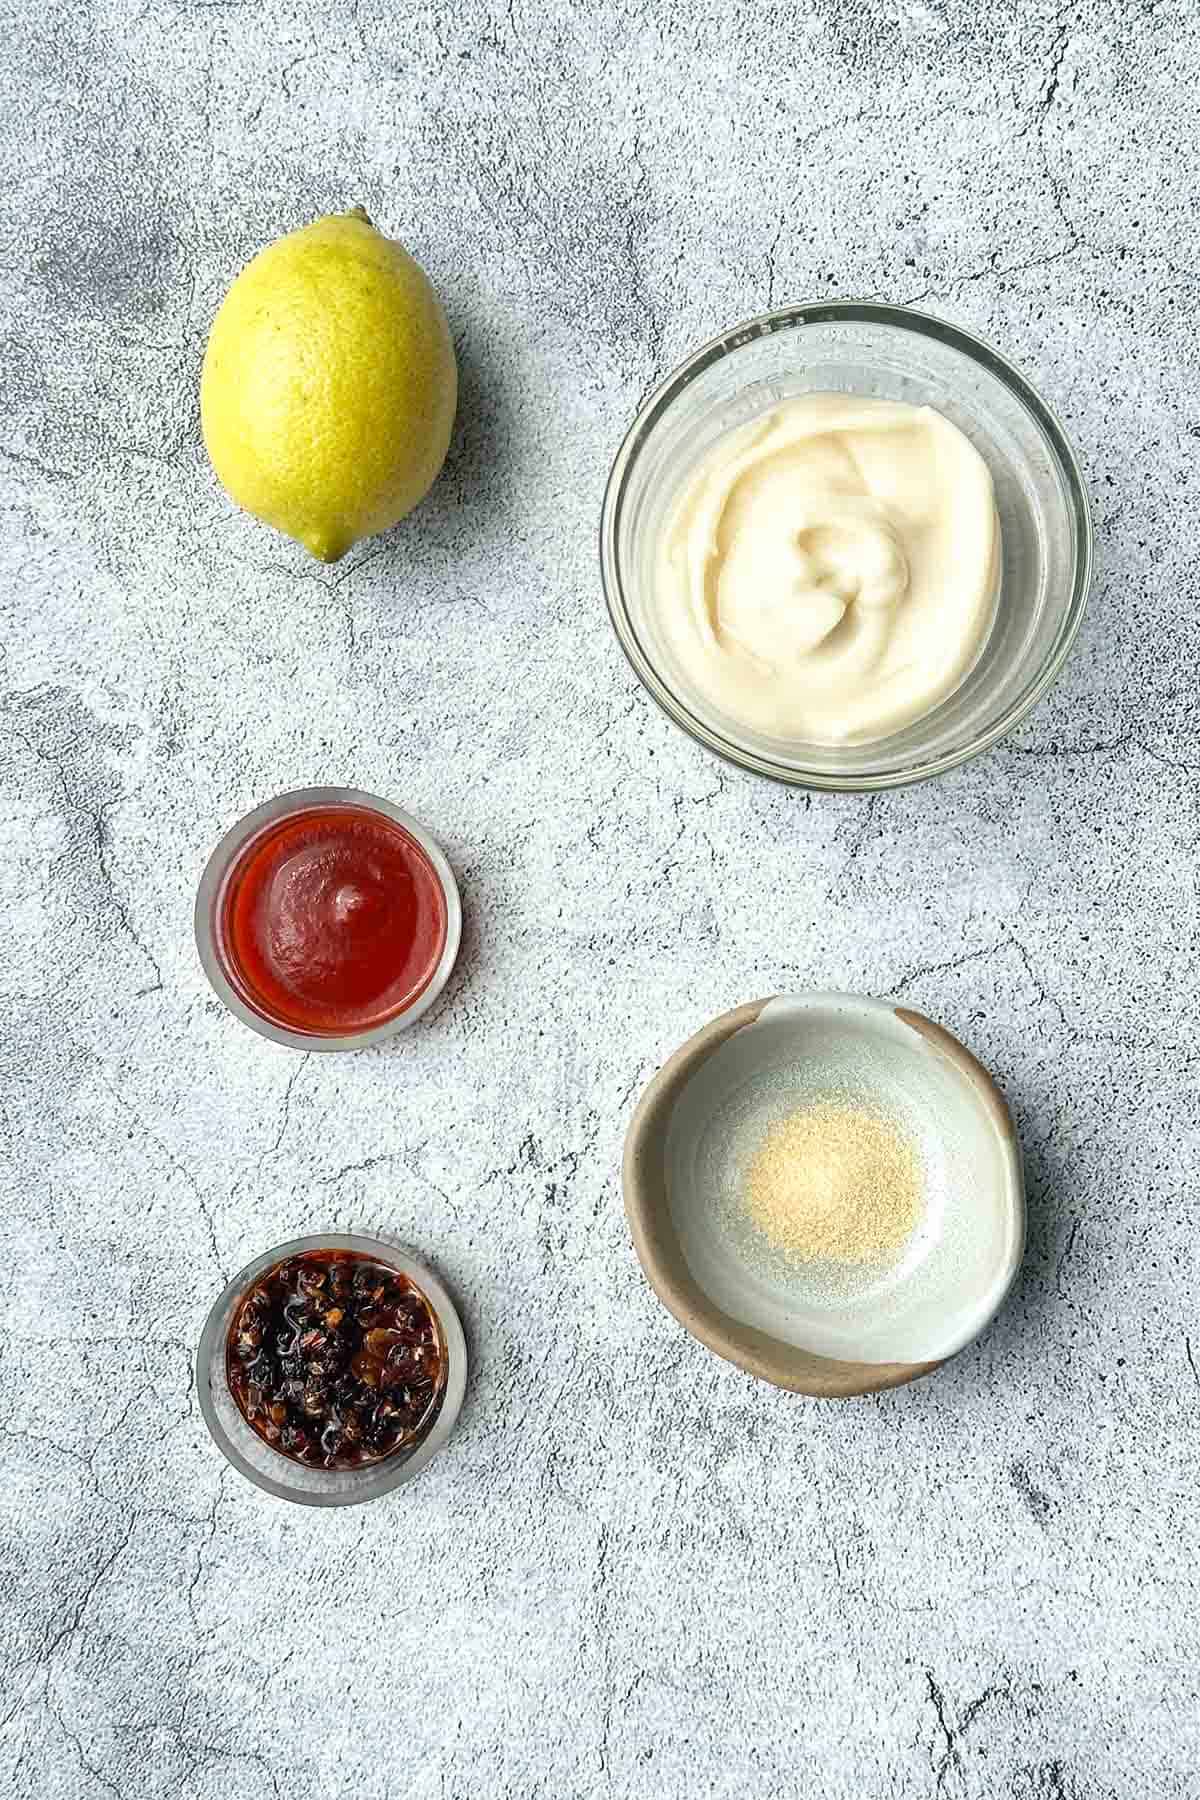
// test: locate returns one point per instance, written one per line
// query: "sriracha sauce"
(331, 921)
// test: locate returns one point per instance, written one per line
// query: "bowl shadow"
(1041, 1287)
(460, 978)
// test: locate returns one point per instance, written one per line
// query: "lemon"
(329, 385)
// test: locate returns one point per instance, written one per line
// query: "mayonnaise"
(829, 572)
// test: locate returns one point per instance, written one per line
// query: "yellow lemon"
(329, 385)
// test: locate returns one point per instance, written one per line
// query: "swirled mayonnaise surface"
(829, 572)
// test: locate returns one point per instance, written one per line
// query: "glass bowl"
(276, 1473)
(891, 353)
(210, 898)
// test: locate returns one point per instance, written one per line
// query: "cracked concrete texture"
(634, 1572)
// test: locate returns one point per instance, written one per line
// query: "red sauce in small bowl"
(331, 921)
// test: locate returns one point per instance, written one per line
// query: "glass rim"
(208, 892)
(820, 312)
(377, 1478)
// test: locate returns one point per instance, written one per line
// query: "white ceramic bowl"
(710, 1107)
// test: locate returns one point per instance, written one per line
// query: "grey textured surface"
(634, 1572)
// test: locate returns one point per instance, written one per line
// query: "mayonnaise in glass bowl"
(881, 352)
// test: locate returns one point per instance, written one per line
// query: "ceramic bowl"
(707, 1110)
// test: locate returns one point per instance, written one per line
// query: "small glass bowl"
(211, 893)
(891, 353)
(277, 1474)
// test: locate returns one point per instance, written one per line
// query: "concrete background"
(634, 1572)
